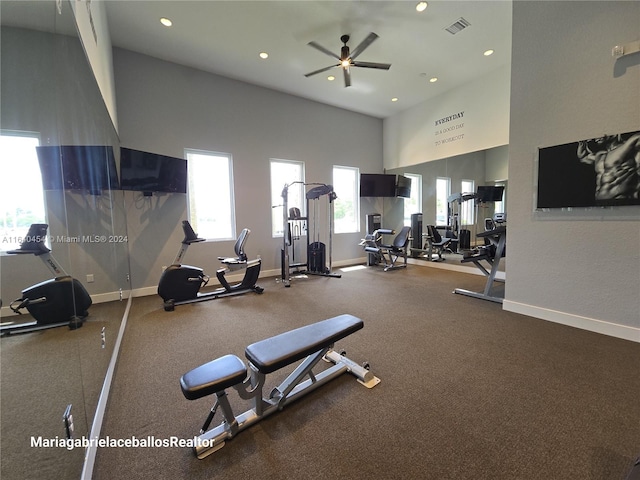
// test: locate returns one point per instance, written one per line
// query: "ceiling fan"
(346, 60)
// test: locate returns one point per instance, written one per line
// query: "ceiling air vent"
(457, 26)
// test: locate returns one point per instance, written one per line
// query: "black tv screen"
(589, 173)
(89, 168)
(403, 187)
(150, 172)
(377, 185)
(489, 193)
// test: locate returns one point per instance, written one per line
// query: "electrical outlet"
(90, 278)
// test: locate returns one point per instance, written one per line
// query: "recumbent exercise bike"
(181, 284)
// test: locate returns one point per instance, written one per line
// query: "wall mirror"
(462, 173)
(50, 97)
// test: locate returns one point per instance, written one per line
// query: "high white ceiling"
(226, 37)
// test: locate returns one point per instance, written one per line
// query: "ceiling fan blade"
(380, 66)
(321, 70)
(364, 44)
(347, 77)
(326, 51)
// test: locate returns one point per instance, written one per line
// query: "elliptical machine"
(57, 302)
(180, 284)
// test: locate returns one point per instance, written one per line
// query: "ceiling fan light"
(345, 63)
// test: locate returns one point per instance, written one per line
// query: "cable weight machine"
(316, 251)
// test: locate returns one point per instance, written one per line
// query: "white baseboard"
(591, 324)
(454, 267)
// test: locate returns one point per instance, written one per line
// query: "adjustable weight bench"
(310, 344)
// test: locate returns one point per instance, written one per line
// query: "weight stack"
(416, 231)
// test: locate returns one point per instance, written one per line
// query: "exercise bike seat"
(241, 257)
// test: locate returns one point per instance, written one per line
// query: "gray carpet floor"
(42, 372)
(468, 391)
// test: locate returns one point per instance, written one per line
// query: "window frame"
(416, 181)
(232, 219)
(355, 225)
(276, 196)
(468, 214)
(6, 244)
(446, 199)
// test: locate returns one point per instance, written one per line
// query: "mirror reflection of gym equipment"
(495, 238)
(381, 253)
(294, 224)
(57, 302)
(492, 248)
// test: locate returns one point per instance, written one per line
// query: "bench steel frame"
(250, 386)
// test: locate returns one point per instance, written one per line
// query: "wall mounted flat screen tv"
(150, 172)
(489, 193)
(90, 168)
(377, 185)
(590, 173)
(403, 187)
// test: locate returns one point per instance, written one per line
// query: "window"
(500, 206)
(21, 194)
(467, 208)
(283, 173)
(443, 187)
(413, 204)
(210, 194)
(346, 208)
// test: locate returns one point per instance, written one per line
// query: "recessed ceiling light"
(264, 55)
(488, 52)
(331, 78)
(421, 6)
(166, 22)
(433, 79)
(394, 99)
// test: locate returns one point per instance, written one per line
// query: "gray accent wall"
(580, 268)
(165, 108)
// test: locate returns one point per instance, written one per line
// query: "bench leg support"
(292, 388)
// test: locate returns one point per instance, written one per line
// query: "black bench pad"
(213, 377)
(276, 352)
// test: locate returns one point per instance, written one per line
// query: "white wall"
(165, 108)
(497, 164)
(93, 29)
(582, 268)
(469, 118)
